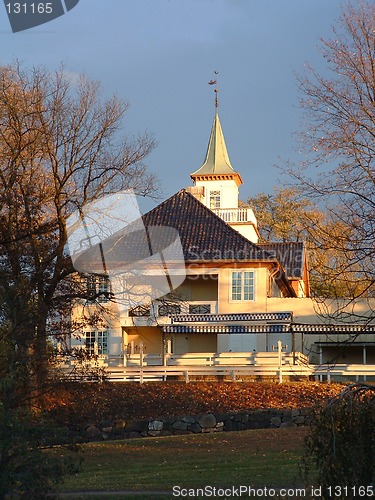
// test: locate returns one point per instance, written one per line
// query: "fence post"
(141, 362)
(279, 351)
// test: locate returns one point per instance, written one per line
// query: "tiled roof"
(291, 256)
(204, 235)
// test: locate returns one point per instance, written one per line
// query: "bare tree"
(288, 215)
(60, 148)
(339, 110)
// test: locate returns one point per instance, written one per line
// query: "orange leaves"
(80, 403)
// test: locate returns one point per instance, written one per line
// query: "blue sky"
(160, 54)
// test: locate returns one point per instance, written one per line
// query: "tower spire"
(217, 163)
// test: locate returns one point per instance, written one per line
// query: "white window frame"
(98, 337)
(240, 294)
(97, 284)
(215, 199)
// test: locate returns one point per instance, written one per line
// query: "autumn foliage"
(83, 402)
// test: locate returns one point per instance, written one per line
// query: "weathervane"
(216, 90)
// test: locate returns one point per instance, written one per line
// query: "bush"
(25, 467)
(341, 441)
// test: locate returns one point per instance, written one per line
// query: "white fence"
(230, 365)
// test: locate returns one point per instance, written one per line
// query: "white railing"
(232, 371)
(141, 374)
(232, 215)
(185, 307)
(141, 367)
(138, 367)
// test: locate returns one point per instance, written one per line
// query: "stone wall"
(257, 419)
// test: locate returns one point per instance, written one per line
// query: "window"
(214, 199)
(199, 308)
(91, 284)
(169, 310)
(103, 342)
(103, 288)
(97, 287)
(90, 342)
(97, 342)
(140, 311)
(242, 285)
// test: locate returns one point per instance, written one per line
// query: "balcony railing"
(236, 215)
(162, 311)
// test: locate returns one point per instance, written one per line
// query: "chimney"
(197, 191)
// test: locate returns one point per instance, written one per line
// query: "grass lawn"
(266, 457)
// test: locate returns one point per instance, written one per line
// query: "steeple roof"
(217, 160)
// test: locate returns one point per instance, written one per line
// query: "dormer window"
(214, 199)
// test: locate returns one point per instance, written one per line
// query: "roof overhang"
(217, 177)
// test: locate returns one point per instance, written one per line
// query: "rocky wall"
(210, 422)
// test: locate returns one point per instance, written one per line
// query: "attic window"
(214, 199)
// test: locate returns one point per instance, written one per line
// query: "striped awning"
(219, 318)
(356, 329)
(228, 329)
(311, 329)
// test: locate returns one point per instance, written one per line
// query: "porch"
(197, 341)
(232, 366)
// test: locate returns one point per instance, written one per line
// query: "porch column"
(124, 346)
(163, 348)
(364, 352)
(293, 345)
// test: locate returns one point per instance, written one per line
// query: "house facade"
(239, 295)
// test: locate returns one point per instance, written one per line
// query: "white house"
(239, 295)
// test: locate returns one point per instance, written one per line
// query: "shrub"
(341, 441)
(26, 469)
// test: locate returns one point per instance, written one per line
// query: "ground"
(83, 402)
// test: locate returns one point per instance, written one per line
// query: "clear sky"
(160, 55)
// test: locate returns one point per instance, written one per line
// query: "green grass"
(267, 457)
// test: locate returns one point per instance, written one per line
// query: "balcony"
(236, 215)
